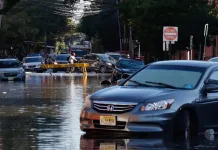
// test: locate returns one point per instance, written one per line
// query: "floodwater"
(43, 113)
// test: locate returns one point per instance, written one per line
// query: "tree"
(148, 18)
(30, 22)
(104, 24)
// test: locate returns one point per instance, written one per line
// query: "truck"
(80, 50)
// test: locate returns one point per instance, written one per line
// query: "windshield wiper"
(138, 82)
(163, 84)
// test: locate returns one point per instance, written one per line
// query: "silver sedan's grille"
(113, 107)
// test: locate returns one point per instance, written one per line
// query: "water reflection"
(109, 142)
(43, 113)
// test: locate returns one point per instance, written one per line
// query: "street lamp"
(205, 37)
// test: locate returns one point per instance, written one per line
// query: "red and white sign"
(170, 33)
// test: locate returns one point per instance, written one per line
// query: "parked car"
(214, 59)
(98, 62)
(114, 55)
(62, 58)
(125, 66)
(33, 63)
(178, 96)
(11, 69)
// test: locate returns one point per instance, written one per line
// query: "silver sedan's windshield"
(10, 64)
(170, 76)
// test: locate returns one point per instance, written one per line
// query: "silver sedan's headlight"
(109, 64)
(159, 105)
(38, 66)
(21, 71)
(88, 103)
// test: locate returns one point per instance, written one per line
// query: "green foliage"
(35, 20)
(103, 25)
(60, 47)
(8, 4)
(147, 18)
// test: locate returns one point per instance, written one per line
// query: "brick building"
(194, 55)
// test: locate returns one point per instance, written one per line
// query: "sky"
(79, 11)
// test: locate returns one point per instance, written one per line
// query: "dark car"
(125, 66)
(62, 58)
(98, 62)
(114, 55)
(178, 97)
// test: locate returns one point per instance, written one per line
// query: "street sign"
(170, 33)
(1, 4)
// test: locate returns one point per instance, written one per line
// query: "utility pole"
(130, 41)
(1, 7)
(205, 38)
(124, 36)
(118, 20)
(0, 21)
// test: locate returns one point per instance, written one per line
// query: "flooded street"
(43, 113)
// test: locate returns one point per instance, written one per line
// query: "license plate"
(105, 146)
(108, 120)
(10, 78)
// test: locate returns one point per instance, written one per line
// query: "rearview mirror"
(125, 76)
(211, 87)
(105, 83)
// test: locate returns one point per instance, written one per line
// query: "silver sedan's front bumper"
(133, 121)
(12, 76)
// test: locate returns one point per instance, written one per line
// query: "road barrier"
(58, 66)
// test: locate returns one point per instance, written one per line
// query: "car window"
(62, 57)
(32, 59)
(10, 64)
(184, 77)
(116, 57)
(133, 64)
(92, 57)
(214, 76)
(105, 57)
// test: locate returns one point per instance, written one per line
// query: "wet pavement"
(43, 113)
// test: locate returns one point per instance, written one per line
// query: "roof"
(113, 53)
(121, 58)
(34, 57)
(195, 63)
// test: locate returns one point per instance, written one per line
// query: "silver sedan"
(11, 69)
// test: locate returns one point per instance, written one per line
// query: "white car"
(11, 69)
(33, 63)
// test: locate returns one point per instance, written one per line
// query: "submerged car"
(178, 97)
(125, 66)
(11, 69)
(33, 63)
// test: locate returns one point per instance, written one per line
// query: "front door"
(207, 108)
